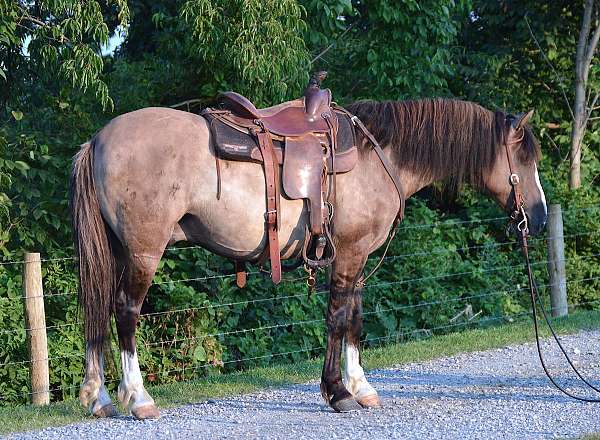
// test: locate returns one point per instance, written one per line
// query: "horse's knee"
(339, 312)
(337, 322)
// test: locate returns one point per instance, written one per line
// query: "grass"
(22, 418)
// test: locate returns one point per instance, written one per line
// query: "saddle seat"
(291, 118)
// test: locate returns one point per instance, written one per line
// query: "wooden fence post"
(35, 322)
(556, 262)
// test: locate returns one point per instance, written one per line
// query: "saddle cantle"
(301, 143)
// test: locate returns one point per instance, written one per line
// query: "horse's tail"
(97, 277)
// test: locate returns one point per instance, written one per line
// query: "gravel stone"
(496, 394)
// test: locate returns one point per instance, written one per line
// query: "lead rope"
(535, 300)
(522, 227)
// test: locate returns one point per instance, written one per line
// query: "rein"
(519, 219)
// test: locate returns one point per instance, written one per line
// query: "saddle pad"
(235, 143)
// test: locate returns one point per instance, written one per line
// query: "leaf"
(199, 354)
(63, 105)
(21, 165)
(18, 115)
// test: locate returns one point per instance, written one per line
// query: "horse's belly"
(234, 225)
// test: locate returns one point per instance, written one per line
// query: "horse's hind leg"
(342, 295)
(354, 375)
(93, 394)
(137, 277)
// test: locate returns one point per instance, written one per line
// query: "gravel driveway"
(500, 394)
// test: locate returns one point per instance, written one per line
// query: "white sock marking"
(98, 395)
(354, 375)
(132, 384)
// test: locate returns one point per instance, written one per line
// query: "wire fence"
(184, 370)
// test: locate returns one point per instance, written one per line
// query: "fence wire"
(467, 297)
(445, 223)
(400, 335)
(366, 287)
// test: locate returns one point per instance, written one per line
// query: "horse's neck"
(411, 182)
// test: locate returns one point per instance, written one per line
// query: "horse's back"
(151, 124)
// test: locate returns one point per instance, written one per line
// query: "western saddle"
(302, 145)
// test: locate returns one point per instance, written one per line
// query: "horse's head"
(516, 162)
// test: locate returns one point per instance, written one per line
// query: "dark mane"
(442, 139)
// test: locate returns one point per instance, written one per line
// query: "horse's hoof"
(346, 405)
(370, 401)
(146, 412)
(106, 411)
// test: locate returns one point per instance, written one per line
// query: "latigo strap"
(271, 216)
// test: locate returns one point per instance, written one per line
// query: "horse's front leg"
(354, 375)
(345, 272)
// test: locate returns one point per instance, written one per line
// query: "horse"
(148, 179)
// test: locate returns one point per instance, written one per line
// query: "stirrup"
(321, 248)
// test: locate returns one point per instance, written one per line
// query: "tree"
(522, 54)
(255, 45)
(49, 53)
(583, 105)
(386, 49)
(42, 39)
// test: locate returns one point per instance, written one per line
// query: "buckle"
(514, 179)
(271, 216)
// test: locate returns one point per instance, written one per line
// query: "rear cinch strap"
(240, 274)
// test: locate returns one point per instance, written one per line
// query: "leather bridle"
(518, 218)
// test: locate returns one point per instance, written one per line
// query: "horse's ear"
(521, 119)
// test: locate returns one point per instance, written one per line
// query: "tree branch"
(34, 20)
(591, 48)
(186, 103)
(580, 55)
(591, 108)
(26, 16)
(560, 81)
(323, 52)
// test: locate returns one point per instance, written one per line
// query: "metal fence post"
(35, 322)
(556, 262)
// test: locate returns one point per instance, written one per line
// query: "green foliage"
(257, 44)
(176, 51)
(387, 50)
(56, 36)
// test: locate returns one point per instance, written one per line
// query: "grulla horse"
(148, 179)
